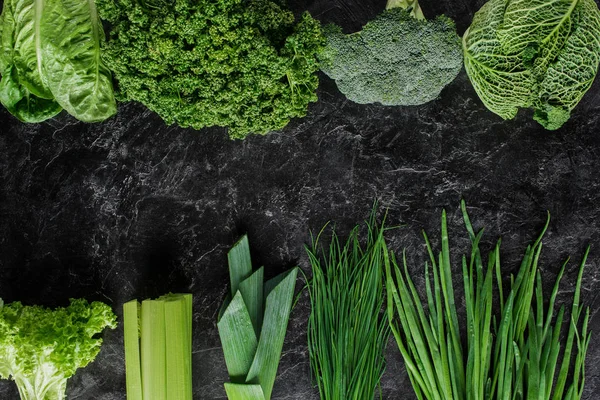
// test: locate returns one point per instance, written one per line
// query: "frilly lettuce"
(41, 348)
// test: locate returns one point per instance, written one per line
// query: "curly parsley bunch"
(242, 64)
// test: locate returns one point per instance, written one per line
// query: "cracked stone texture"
(131, 208)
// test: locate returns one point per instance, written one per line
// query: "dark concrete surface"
(131, 208)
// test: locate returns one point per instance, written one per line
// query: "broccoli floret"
(41, 348)
(399, 58)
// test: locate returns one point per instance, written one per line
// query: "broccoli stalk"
(41, 348)
(412, 6)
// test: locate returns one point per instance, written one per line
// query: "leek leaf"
(277, 312)
(252, 291)
(235, 391)
(240, 264)
(252, 329)
(238, 339)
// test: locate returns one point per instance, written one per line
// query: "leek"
(252, 325)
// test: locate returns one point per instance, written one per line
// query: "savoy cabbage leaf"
(542, 54)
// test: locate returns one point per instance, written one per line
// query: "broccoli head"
(399, 58)
(41, 348)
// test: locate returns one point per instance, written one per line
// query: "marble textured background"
(131, 208)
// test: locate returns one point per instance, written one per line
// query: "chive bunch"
(347, 334)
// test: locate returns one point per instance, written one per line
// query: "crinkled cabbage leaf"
(541, 54)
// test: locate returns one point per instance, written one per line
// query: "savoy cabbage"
(542, 54)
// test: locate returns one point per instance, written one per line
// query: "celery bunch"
(158, 348)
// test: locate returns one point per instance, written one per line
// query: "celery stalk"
(133, 371)
(154, 371)
(158, 348)
(178, 317)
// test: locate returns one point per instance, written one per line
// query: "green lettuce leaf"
(27, 46)
(22, 90)
(80, 82)
(50, 60)
(23, 104)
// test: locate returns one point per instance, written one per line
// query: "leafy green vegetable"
(252, 325)
(22, 89)
(200, 63)
(23, 104)
(346, 334)
(398, 58)
(71, 33)
(533, 53)
(512, 358)
(50, 59)
(158, 348)
(41, 348)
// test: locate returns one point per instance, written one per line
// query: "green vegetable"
(50, 59)
(80, 82)
(200, 63)
(23, 90)
(252, 325)
(41, 348)
(158, 348)
(514, 357)
(533, 53)
(347, 335)
(399, 58)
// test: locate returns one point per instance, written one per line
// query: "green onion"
(158, 348)
(346, 333)
(252, 325)
(515, 357)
